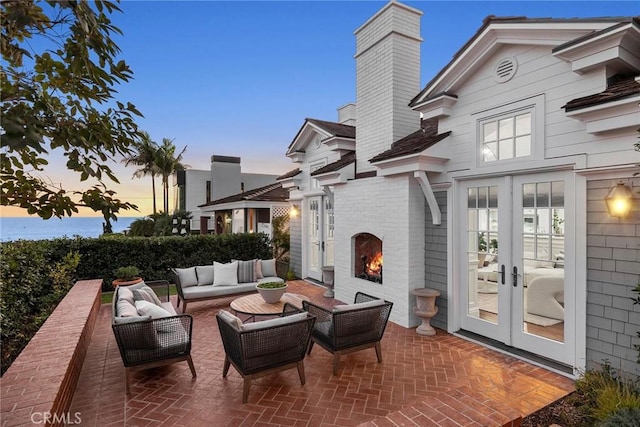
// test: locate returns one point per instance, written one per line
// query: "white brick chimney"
(387, 78)
(347, 114)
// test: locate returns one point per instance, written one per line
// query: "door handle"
(322, 246)
(514, 275)
(502, 273)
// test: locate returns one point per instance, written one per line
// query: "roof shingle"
(617, 89)
(268, 193)
(416, 142)
(345, 160)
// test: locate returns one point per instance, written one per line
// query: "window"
(506, 138)
(510, 133)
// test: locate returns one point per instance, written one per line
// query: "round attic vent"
(505, 69)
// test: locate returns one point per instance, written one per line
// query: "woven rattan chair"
(353, 329)
(263, 350)
(150, 343)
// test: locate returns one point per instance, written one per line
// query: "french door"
(515, 262)
(320, 225)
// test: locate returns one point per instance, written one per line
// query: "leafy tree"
(167, 163)
(281, 237)
(57, 90)
(144, 154)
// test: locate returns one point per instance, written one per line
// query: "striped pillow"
(246, 272)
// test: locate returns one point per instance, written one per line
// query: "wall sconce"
(295, 210)
(619, 201)
(227, 220)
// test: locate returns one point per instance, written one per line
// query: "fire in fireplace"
(368, 257)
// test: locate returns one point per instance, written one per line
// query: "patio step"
(461, 407)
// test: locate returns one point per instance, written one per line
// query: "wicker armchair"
(149, 343)
(261, 348)
(350, 328)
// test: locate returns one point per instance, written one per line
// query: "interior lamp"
(294, 211)
(619, 201)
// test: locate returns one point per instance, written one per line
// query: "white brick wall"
(387, 77)
(392, 209)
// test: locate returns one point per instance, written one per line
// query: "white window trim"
(314, 166)
(535, 105)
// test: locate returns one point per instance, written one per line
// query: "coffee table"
(253, 305)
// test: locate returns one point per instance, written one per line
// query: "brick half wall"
(43, 378)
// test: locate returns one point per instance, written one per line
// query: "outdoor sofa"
(206, 282)
(147, 329)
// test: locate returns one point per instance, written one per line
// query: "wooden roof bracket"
(422, 179)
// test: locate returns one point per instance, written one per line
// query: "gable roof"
(332, 129)
(416, 142)
(486, 39)
(617, 88)
(268, 193)
(345, 160)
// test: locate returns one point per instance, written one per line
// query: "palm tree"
(144, 154)
(167, 163)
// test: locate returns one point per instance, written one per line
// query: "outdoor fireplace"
(367, 257)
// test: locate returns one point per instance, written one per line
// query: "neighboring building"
(487, 185)
(248, 212)
(193, 188)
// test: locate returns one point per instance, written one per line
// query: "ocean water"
(35, 228)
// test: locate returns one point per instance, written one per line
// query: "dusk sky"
(239, 78)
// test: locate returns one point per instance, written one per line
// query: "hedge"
(35, 275)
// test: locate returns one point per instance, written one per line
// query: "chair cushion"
(225, 274)
(246, 271)
(187, 276)
(122, 320)
(273, 322)
(347, 307)
(230, 318)
(268, 267)
(205, 274)
(125, 309)
(216, 291)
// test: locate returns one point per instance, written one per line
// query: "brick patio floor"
(426, 381)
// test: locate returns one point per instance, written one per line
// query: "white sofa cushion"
(268, 267)
(230, 318)
(205, 274)
(125, 309)
(145, 293)
(187, 276)
(225, 274)
(257, 269)
(197, 292)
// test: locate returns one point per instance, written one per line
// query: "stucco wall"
(613, 270)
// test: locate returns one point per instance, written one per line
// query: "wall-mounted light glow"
(295, 211)
(619, 201)
(228, 220)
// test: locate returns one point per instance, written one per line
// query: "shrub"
(625, 417)
(129, 272)
(31, 285)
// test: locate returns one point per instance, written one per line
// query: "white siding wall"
(538, 73)
(393, 210)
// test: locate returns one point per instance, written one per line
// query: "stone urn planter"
(425, 309)
(271, 292)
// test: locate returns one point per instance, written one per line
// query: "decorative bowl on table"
(271, 292)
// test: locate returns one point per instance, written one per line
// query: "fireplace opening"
(367, 257)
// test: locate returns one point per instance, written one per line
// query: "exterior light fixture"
(294, 212)
(619, 201)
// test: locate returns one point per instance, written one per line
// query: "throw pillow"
(146, 294)
(125, 293)
(225, 274)
(230, 318)
(245, 271)
(146, 308)
(123, 320)
(268, 267)
(205, 275)
(187, 276)
(125, 309)
(257, 270)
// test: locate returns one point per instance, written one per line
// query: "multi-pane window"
(506, 138)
